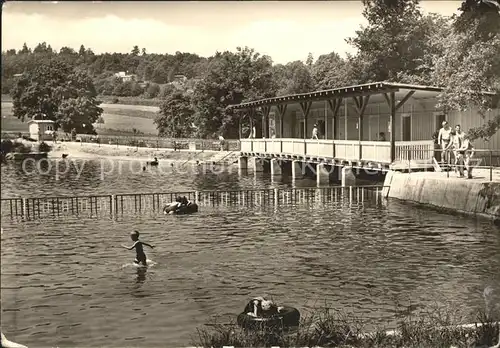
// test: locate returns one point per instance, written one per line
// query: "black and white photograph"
(250, 174)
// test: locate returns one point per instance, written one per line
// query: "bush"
(20, 148)
(6, 146)
(44, 147)
(327, 328)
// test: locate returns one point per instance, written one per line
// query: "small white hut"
(41, 129)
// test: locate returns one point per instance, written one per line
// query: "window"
(321, 127)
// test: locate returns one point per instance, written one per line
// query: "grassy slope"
(118, 119)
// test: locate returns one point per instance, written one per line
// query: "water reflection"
(141, 275)
(94, 177)
(365, 258)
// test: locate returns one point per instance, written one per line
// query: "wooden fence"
(145, 141)
(119, 204)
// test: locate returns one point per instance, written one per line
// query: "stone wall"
(466, 196)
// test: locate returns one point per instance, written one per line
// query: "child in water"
(138, 245)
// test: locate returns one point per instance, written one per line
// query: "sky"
(286, 31)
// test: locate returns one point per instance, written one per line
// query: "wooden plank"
(404, 100)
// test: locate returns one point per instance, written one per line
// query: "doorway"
(406, 128)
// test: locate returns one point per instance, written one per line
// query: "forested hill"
(157, 69)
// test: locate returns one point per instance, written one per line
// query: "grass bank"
(129, 100)
(91, 150)
(328, 328)
(112, 100)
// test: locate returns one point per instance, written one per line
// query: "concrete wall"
(467, 196)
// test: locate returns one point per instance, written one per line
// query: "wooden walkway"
(115, 205)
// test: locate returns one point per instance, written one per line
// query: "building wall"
(424, 119)
(33, 129)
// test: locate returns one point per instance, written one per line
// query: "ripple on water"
(64, 282)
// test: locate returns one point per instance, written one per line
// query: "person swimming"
(139, 249)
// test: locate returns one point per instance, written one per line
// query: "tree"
(331, 71)
(231, 78)
(470, 63)
(392, 43)
(166, 91)
(176, 116)
(152, 90)
(144, 51)
(293, 78)
(309, 60)
(25, 49)
(81, 51)
(135, 50)
(60, 93)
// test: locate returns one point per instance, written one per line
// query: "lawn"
(114, 121)
(117, 118)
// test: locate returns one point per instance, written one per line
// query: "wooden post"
(391, 101)
(306, 107)
(281, 113)
(345, 119)
(360, 103)
(334, 105)
(265, 119)
(326, 119)
(239, 125)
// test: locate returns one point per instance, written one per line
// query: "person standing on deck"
(456, 142)
(465, 153)
(315, 132)
(444, 139)
(222, 142)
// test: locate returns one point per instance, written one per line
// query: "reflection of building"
(125, 76)
(41, 129)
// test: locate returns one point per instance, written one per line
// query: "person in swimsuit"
(465, 153)
(444, 139)
(139, 249)
(261, 307)
(456, 143)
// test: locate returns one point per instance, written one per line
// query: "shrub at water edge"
(326, 328)
(44, 147)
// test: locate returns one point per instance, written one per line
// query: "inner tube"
(286, 318)
(152, 163)
(185, 209)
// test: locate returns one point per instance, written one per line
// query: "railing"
(342, 149)
(146, 141)
(162, 143)
(414, 150)
(114, 205)
(482, 164)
